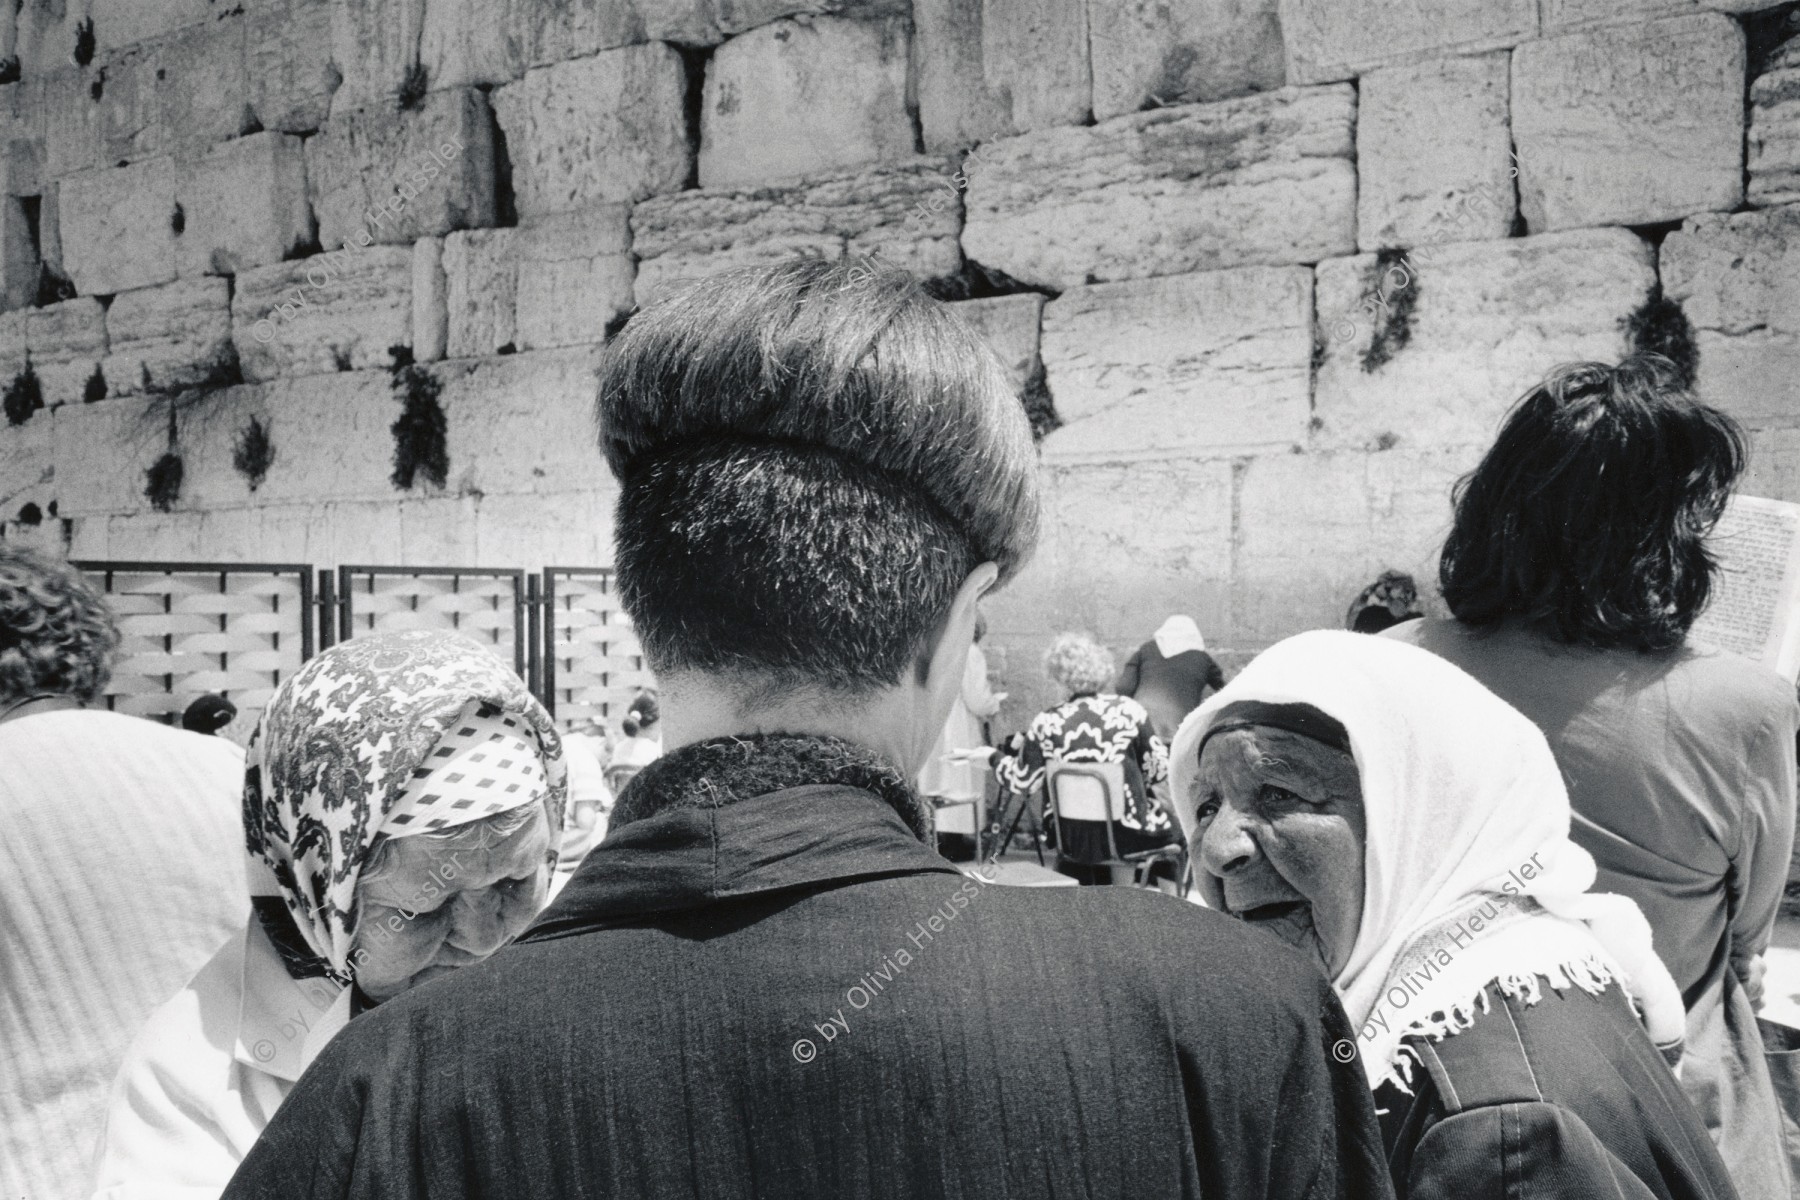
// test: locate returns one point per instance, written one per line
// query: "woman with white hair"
(1373, 806)
(1093, 725)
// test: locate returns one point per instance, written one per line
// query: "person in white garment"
(399, 807)
(120, 854)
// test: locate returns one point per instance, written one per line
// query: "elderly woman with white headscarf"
(1374, 805)
(399, 801)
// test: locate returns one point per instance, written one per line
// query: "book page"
(1753, 609)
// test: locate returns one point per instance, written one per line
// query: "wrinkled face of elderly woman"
(1279, 823)
(428, 904)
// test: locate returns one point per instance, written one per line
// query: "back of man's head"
(813, 458)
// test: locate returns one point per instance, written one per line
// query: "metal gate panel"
(487, 605)
(237, 629)
(593, 664)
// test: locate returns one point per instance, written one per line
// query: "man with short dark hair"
(765, 982)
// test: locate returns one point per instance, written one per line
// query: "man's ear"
(947, 652)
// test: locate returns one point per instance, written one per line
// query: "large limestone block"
(377, 174)
(173, 336)
(1315, 529)
(994, 68)
(375, 44)
(176, 95)
(1340, 39)
(19, 261)
(737, 16)
(1188, 364)
(243, 205)
(800, 98)
(13, 354)
(27, 469)
(1738, 279)
(1774, 141)
(118, 226)
(101, 451)
(430, 297)
(67, 342)
(1466, 329)
(611, 128)
(1170, 191)
(1630, 125)
(21, 139)
(63, 101)
(124, 22)
(559, 528)
(330, 435)
(287, 51)
(332, 312)
(522, 422)
(1152, 52)
(559, 282)
(1433, 153)
(1561, 16)
(1774, 467)
(468, 42)
(1009, 325)
(883, 211)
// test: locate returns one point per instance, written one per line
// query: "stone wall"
(1278, 265)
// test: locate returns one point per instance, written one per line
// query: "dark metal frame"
(346, 606)
(548, 618)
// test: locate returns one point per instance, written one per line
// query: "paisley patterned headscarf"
(334, 755)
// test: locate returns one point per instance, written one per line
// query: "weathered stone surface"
(1102, 566)
(609, 128)
(70, 120)
(333, 312)
(993, 68)
(430, 314)
(19, 264)
(1482, 322)
(1630, 125)
(1774, 142)
(1738, 279)
(117, 226)
(883, 211)
(1009, 325)
(1187, 364)
(556, 283)
(1774, 469)
(287, 52)
(167, 337)
(375, 44)
(27, 471)
(1562, 16)
(330, 435)
(243, 205)
(804, 98)
(737, 16)
(21, 139)
(381, 175)
(1340, 39)
(66, 341)
(1170, 191)
(1148, 52)
(558, 528)
(124, 22)
(494, 41)
(12, 345)
(101, 452)
(1315, 529)
(175, 95)
(522, 422)
(1433, 153)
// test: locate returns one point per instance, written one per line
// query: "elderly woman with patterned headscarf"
(399, 804)
(1374, 806)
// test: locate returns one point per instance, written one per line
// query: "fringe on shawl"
(1591, 975)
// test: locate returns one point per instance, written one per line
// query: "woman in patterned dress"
(1092, 726)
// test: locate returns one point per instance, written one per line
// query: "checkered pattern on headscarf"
(481, 767)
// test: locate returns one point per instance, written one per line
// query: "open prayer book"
(1755, 606)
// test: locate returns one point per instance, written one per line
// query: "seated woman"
(398, 806)
(1092, 726)
(1372, 804)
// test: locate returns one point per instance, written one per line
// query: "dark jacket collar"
(737, 817)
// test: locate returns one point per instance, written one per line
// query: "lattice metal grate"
(485, 605)
(594, 665)
(188, 628)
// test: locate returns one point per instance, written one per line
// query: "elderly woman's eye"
(1208, 809)
(1284, 797)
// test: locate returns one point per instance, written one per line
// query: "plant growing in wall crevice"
(1039, 404)
(252, 452)
(420, 445)
(23, 396)
(1393, 324)
(167, 402)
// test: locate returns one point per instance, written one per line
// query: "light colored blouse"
(208, 1071)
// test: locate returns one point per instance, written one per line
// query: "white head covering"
(1177, 635)
(1466, 817)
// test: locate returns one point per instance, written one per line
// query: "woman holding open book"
(1574, 570)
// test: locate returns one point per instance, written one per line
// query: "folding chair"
(1096, 793)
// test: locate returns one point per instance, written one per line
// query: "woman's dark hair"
(812, 456)
(643, 714)
(1588, 517)
(57, 635)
